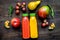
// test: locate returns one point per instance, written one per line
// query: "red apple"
(15, 22)
(43, 11)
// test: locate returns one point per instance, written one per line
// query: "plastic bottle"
(25, 26)
(33, 26)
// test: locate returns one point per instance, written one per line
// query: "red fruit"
(24, 3)
(18, 4)
(43, 11)
(41, 14)
(47, 23)
(17, 7)
(15, 22)
(22, 6)
(23, 9)
(17, 11)
(43, 25)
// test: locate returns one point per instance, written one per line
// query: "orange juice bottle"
(33, 26)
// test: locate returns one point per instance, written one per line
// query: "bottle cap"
(25, 14)
(32, 14)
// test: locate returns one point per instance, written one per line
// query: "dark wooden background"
(44, 34)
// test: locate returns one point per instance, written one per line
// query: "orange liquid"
(25, 28)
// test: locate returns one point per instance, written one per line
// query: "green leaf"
(10, 10)
(52, 14)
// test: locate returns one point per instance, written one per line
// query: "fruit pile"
(29, 26)
(19, 6)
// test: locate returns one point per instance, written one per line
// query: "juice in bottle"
(25, 26)
(33, 26)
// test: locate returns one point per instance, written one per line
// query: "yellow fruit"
(33, 5)
(7, 24)
(52, 26)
